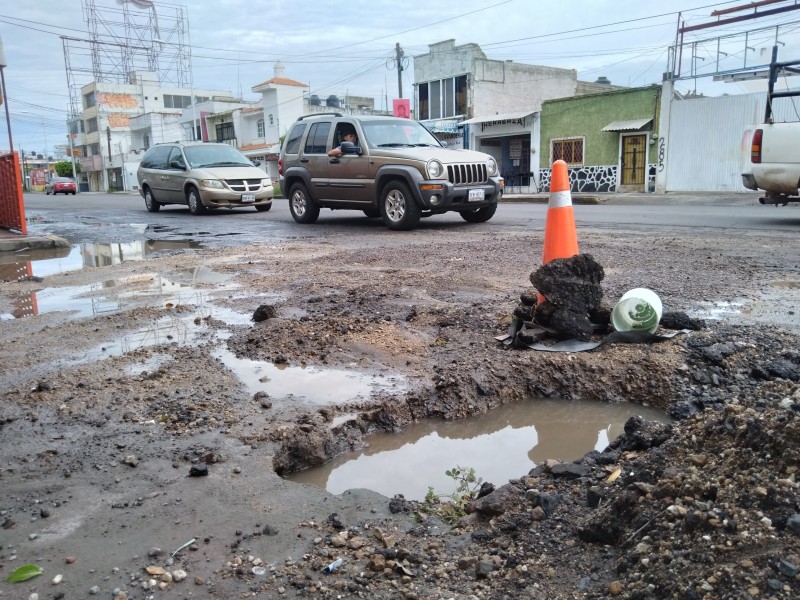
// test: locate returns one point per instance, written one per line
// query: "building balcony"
(92, 163)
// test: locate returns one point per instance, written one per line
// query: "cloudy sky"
(347, 46)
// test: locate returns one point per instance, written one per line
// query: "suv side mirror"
(350, 148)
(177, 165)
(256, 163)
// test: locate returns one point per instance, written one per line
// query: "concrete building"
(102, 135)
(608, 140)
(470, 101)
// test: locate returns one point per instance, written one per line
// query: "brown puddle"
(502, 445)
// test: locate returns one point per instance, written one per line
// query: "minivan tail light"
(280, 166)
(755, 147)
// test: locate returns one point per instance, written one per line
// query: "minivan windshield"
(397, 133)
(215, 155)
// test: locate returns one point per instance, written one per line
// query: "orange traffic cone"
(560, 237)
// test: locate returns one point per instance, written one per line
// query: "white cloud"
(342, 47)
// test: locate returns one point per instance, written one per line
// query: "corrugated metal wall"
(709, 140)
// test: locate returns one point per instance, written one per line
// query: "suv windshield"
(215, 155)
(397, 133)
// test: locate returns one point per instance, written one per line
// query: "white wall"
(709, 139)
(502, 87)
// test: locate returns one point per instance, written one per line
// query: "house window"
(260, 126)
(88, 100)
(443, 98)
(91, 125)
(174, 101)
(225, 132)
(146, 141)
(423, 108)
(570, 150)
(272, 119)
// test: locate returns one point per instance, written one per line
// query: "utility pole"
(400, 62)
(399, 58)
(108, 170)
(72, 157)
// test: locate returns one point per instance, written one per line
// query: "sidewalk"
(641, 198)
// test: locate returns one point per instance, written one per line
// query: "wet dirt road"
(126, 367)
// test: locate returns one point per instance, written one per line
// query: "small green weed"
(453, 507)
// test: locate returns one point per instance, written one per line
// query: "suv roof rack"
(321, 114)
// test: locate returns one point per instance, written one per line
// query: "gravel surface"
(135, 463)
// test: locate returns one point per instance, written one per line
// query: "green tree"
(64, 168)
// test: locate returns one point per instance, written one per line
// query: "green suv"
(203, 175)
(397, 171)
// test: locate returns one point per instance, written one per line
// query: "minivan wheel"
(478, 215)
(150, 202)
(399, 210)
(304, 210)
(263, 207)
(193, 200)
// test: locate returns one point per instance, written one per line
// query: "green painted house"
(608, 140)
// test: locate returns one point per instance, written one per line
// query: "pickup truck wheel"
(399, 210)
(304, 210)
(150, 203)
(478, 215)
(195, 203)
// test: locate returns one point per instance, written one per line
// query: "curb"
(24, 242)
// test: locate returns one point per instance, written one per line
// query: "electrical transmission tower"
(126, 36)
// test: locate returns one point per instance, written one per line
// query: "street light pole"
(3, 64)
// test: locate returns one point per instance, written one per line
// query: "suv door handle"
(303, 160)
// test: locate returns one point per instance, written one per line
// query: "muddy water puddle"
(53, 261)
(116, 294)
(308, 384)
(501, 445)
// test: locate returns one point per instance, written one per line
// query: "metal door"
(634, 159)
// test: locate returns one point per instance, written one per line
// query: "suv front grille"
(467, 174)
(244, 185)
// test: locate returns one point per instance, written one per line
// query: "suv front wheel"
(304, 210)
(399, 210)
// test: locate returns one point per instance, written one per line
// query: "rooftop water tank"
(332, 101)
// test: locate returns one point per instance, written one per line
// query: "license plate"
(248, 197)
(475, 196)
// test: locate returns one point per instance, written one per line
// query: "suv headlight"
(435, 169)
(266, 183)
(212, 183)
(491, 166)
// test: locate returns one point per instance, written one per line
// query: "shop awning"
(629, 125)
(442, 125)
(511, 116)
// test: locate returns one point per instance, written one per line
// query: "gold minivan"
(202, 175)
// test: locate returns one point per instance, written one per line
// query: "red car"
(60, 185)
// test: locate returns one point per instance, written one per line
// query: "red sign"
(402, 107)
(38, 177)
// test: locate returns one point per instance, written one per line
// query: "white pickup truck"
(774, 164)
